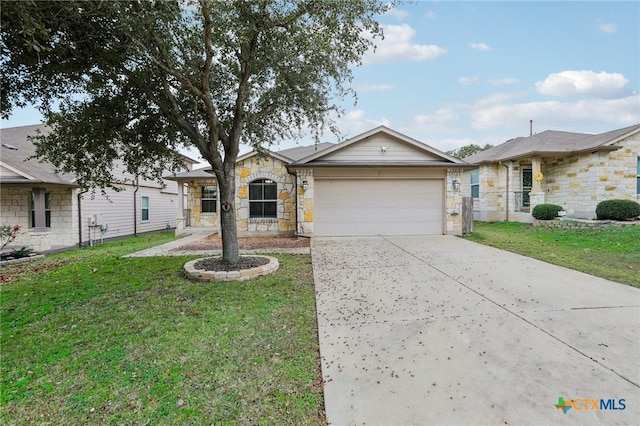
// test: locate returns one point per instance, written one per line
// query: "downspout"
(135, 209)
(295, 214)
(507, 194)
(80, 216)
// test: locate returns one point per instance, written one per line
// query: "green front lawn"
(89, 337)
(612, 253)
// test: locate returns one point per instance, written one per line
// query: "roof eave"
(297, 166)
(280, 157)
(548, 154)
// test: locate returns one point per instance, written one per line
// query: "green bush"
(21, 252)
(618, 209)
(546, 211)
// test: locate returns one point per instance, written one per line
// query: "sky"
(453, 73)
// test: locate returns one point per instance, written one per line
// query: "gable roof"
(320, 158)
(299, 152)
(552, 143)
(287, 156)
(16, 148)
(290, 154)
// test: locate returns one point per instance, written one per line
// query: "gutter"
(295, 214)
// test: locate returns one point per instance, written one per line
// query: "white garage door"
(378, 207)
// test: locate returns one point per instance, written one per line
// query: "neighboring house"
(54, 212)
(378, 183)
(573, 170)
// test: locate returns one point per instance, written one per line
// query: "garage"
(379, 207)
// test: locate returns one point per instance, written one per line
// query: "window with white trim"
(40, 209)
(208, 199)
(145, 208)
(475, 184)
(263, 195)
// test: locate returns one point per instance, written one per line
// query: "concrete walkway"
(440, 330)
(168, 249)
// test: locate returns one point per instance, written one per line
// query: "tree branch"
(212, 116)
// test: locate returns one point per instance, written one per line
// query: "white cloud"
(503, 81)
(397, 46)
(480, 46)
(443, 115)
(356, 121)
(365, 88)
(430, 15)
(498, 98)
(466, 81)
(607, 27)
(558, 115)
(583, 83)
(400, 15)
(443, 121)
(449, 144)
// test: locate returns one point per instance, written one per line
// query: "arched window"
(263, 194)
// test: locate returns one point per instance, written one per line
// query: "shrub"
(21, 252)
(618, 209)
(546, 211)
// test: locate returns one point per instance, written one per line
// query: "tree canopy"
(136, 80)
(468, 150)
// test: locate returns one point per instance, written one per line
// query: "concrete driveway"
(440, 330)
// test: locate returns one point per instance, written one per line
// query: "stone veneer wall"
(577, 183)
(254, 168)
(583, 224)
(453, 203)
(194, 204)
(305, 202)
(492, 204)
(580, 182)
(15, 208)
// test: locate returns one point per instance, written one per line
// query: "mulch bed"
(214, 242)
(217, 264)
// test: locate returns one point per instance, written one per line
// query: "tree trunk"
(228, 229)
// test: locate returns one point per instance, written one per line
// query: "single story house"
(54, 212)
(572, 170)
(380, 182)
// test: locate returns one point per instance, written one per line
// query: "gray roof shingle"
(39, 172)
(293, 154)
(300, 152)
(549, 142)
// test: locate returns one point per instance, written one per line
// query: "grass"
(97, 338)
(612, 253)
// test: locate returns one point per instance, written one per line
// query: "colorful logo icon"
(563, 405)
(586, 404)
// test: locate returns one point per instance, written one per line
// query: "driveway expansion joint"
(501, 306)
(386, 359)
